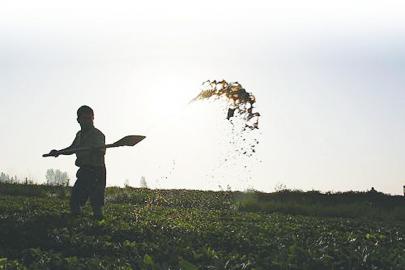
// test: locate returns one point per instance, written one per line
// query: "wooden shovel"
(130, 140)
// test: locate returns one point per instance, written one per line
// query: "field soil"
(185, 229)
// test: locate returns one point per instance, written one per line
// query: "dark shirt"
(90, 138)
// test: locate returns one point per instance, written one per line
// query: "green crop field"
(179, 229)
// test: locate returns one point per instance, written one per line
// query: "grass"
(186, 229)
(368, 205)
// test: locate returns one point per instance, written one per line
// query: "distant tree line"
(142, 183)
(53, 178)
(5, 178)
(57, 178)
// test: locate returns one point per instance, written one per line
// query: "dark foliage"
(183, 229)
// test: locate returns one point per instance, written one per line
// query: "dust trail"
(242, 136)
(235, 132)
(240, 113)
(239, 100)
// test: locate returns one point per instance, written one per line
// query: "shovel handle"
(130, 140)
(80, 149)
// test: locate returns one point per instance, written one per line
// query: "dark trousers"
(90, 184)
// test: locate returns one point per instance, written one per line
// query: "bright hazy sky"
(328, 78)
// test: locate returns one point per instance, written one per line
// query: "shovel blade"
(130, 140)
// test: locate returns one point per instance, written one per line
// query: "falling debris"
(238, 140)
(240, 114)
(240, 102)
(240, 157)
